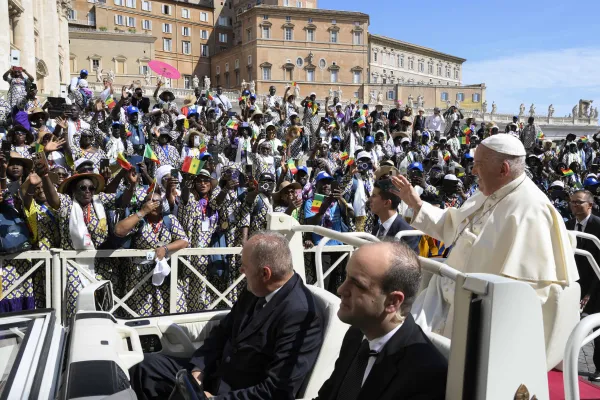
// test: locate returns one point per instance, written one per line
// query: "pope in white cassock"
(509, 228)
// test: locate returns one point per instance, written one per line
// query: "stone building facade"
(177, 32)
(38, 30)
(321, 49)
(393, 61)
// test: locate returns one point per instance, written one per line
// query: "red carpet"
(587, 391)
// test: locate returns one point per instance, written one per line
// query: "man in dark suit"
(385, 355)
(140, 101)
(581, 203)
(263, 348)
(384, 204)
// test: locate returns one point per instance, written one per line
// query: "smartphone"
(231, 113)
(138, 168)
(6, 147)
(175, 173)
(39, 159)
(104, 163)
(335, 185)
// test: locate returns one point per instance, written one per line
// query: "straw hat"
(166, 95)
(406, 119)
(96, 178)
(189, 99)
(27, 163)
(37, 110)
(283, 185)
(386, 169)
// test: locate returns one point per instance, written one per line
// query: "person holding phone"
(191, 144)
(17, 85)
(259, 202)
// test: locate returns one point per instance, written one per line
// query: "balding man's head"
(495, 169)
(267, 262)
(382, 280)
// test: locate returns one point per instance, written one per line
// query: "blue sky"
(527, 51)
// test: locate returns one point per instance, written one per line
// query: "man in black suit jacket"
(581, 203)
(385, 355)
(384, 204)
(263, 348)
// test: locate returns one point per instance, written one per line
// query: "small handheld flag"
(360, 122)
(584, 139)
(122, 161)
(567, 172)
(344, 156)
(317, 202)
(349, 161)
(149, 154)
(110, 102)
(39, 148)
(209, 96)
(231, 124)
(467, 130)
(446, 156)
(540, 135)
(151, 187)
(192, 165)
(464, 140)
(202, 146)
(292, 166)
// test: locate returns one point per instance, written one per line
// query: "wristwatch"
(139, 215)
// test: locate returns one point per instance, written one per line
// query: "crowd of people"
(121, 170)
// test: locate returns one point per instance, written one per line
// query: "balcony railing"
(83, 22)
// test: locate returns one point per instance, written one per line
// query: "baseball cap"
(557, 183)
(302, 168)
(450, 177)
(405, 140)
(323, 175)
(83, 71)
(363, 154)
(83, 162)
(416, 165)
(132, 110)
(590, 181)
(369, 139)
(336, 138)
(116, 123)
(205, 154)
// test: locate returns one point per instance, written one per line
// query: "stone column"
(64, 42)
(4, 42)
(24, 37)
(49, 46)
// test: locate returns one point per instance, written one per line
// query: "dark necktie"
(260, 303)
(381, 231)
(579, 228)
(352, 382)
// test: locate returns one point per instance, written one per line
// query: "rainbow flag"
(567, 172)
(192, 165)
(209, 96)
(464, 140)
(202, 147)
(292, 166)
(110, 102)
(344, 156)
(231, 124)
(360, 122)
(467, 130)
(149, 154)
(349, 161)
(151, 187)
(316, 204)
(122, 161)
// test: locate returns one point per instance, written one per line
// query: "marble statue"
(99, 75)
(373, 96)
(339, 93)
(532, 110)
(494, 107)
(331, 93)
(310, 58)
(420, 101)
(206, 83)
(484, 106)
(575, 113)
(595, 115)
(195, 82)
(380, 97)
(448, 103)
(522, 109)
(550, 111)
(457, 103)
(252, 86)
(147, 78)
(569, 116)
(244, 84)
(410, 101)
(111, 75)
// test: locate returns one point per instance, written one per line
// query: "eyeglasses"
(62, 174)
(578, 202)
(84, 188)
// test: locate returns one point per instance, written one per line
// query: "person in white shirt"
(435, 123)
(220, 98)
(384, 355)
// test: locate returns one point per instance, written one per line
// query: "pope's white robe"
(516, 233)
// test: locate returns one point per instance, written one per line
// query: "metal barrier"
(578, 338)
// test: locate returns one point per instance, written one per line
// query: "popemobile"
(497, 350)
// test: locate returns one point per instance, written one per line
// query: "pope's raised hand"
(406, 192)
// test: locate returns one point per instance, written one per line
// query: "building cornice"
(310, 12)
(386, 41)
(115, 36)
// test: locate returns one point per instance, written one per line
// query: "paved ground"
(586, 365)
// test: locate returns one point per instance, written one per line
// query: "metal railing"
(578, 338)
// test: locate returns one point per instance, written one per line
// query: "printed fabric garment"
(16, 91)
(104, 268)
(200, 222)
(94, 156)
(30, 104)
(258, 214)
(167, 155)
(24, 151)
(148, 299)
(261, 164)
(233, 217)
(43, 224)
